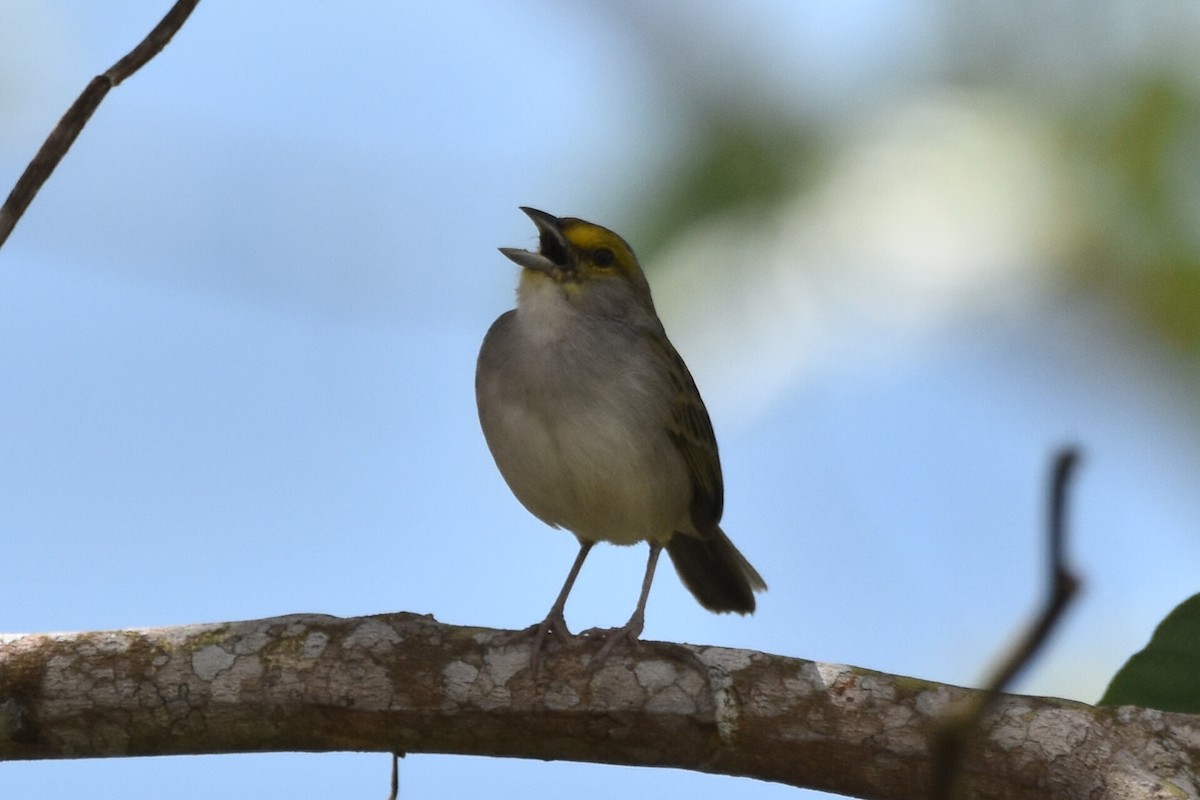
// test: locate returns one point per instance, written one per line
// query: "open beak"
(551, 257)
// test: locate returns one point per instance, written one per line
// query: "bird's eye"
(603, 257)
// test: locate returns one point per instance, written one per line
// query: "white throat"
(543, 309)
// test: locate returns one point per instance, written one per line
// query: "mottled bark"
(407, 683)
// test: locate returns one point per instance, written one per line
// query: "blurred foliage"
(748, 161)
(1109, 80)
(1164, 674)
(1112, 79)
(1143, 246)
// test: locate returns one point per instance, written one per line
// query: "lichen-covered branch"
(407, 683)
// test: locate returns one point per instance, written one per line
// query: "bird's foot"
(629, 632)
(553, 625)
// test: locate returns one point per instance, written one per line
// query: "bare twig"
(68, 128)
(395, 793)
(962, 726)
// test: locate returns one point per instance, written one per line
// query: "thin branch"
(69, 127)
(964, 725)
(394, 794)
(1062, 583)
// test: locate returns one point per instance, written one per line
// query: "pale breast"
(578, 432)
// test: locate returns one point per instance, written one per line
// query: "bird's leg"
(554, 622)
(631, 630)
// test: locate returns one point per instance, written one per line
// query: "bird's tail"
(715, 572)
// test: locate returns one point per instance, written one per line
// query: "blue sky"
(237, 341)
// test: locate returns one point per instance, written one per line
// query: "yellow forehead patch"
(586, 237)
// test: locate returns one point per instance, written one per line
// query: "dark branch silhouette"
(964, 724)
(68, 128)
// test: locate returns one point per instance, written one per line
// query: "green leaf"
(1166, 674)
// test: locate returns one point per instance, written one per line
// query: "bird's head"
(593, 267)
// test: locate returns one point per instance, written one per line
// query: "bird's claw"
(553, 625)
(629, 632)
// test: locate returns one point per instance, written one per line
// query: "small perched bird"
(596, 424)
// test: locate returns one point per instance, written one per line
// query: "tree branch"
(69, 127)
(961, 724)
(406, 683)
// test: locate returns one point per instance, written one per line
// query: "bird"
(597, 427)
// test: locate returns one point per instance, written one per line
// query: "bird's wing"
(692, 432)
